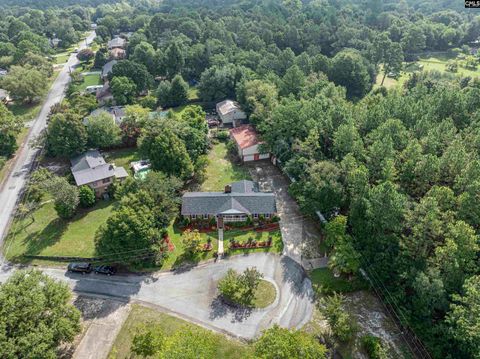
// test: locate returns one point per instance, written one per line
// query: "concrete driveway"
(301, 236)
(192, 294)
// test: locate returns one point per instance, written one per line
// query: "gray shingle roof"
(91, 167)
(116, 42)
(107, 68)
(243, 199)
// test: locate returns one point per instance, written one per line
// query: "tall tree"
(36, 316)
(66, 135)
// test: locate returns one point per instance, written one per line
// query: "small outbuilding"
(117, 42)
(230, 112)
(248, 143)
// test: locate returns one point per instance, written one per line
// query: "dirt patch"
(372, 319)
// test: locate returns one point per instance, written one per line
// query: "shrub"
(339, 320)
(239, 288)
(374, 347)
(149, 102)
(223, 135)
(87, 196)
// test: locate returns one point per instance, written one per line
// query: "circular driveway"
(192, 294)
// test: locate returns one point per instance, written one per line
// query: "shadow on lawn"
(220, 309)
(51, 234)
(37, 241)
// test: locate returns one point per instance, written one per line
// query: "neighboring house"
(4, 96)
(230, 113)
(116, 112)
(238, 201)
(93, 89)
(246, 139)
(117, 53)
(91, 169)
(117, 42)
(107, 68)
(104, 95)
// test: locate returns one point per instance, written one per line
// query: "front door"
(256, 156)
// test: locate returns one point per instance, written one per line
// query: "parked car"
(108, 270)
(80, 267)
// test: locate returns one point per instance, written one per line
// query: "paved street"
(192, 294)
(15, 182)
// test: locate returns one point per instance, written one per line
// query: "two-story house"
(91, 169)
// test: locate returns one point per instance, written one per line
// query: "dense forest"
(402, 165)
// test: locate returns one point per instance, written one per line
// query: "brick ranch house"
(247, 142)
(238, 201)
(91, 169)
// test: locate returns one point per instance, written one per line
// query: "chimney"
(228, 189)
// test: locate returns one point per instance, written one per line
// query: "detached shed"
(248, 143)
(230, 112)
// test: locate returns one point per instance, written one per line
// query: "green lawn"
(122, 157)
(89, 80)
(221, 170)
(429, 62)
(264, 294)
(44, 233)
(176, 257)
(242, 236)
(61, 58)
(225, 347)
(324, 281)
(193, 93)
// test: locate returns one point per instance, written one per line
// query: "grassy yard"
(177, 258)
(225, 347)
(89, 80)
(122, 157)
(44, 233)
(221, 170)
(242, 236)
(324, 281)
(193, 93)
(264, 294)
(61, 58)
(428, 62)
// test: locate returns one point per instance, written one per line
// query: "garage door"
(247, 158)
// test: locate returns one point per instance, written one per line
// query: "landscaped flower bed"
(250, 243)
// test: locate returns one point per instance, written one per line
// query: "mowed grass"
(264, 294)
(224, 346)
(44, 233)
(177, 257)
(325, 282)
(243, 236)
(221, 170)
(429, 62)
(123, 157)
(89, 80)
(61, 58)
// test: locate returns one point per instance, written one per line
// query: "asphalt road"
(192, 294)
(13, 185)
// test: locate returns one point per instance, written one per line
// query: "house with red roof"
(248, 143)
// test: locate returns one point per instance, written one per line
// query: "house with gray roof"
(107, 68)
(117, 42)
(91, 169)
(238, 201)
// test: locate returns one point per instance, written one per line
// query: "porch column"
(220, 235)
